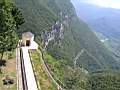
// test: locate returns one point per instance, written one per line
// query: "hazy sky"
(103, 3)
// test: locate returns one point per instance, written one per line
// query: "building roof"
(28, 35)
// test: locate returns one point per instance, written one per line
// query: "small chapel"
(28, 40)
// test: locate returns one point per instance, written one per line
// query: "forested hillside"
(40, 15)
(78, 60)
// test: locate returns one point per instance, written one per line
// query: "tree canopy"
(75, 79)
(10, 19)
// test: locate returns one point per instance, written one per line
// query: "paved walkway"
(31, 83)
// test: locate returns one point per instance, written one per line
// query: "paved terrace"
(31, 82)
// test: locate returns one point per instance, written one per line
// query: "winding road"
(77, 57)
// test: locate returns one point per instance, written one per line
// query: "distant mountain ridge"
(91, 13)
(88, 11)
(105, 21)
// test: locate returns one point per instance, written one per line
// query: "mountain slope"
(40, 15)
(104, 21)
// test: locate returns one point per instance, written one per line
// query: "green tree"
(75, 79)
(17, 15)
(10, 19)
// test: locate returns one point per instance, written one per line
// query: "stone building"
(28, 40)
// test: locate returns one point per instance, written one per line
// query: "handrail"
(17, 66)
(47, 71)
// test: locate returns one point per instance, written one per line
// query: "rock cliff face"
(56, 33)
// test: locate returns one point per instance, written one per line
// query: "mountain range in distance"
(105, 22)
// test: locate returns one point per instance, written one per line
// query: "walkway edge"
(47, 71)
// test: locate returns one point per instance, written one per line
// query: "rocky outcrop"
(56, 33)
